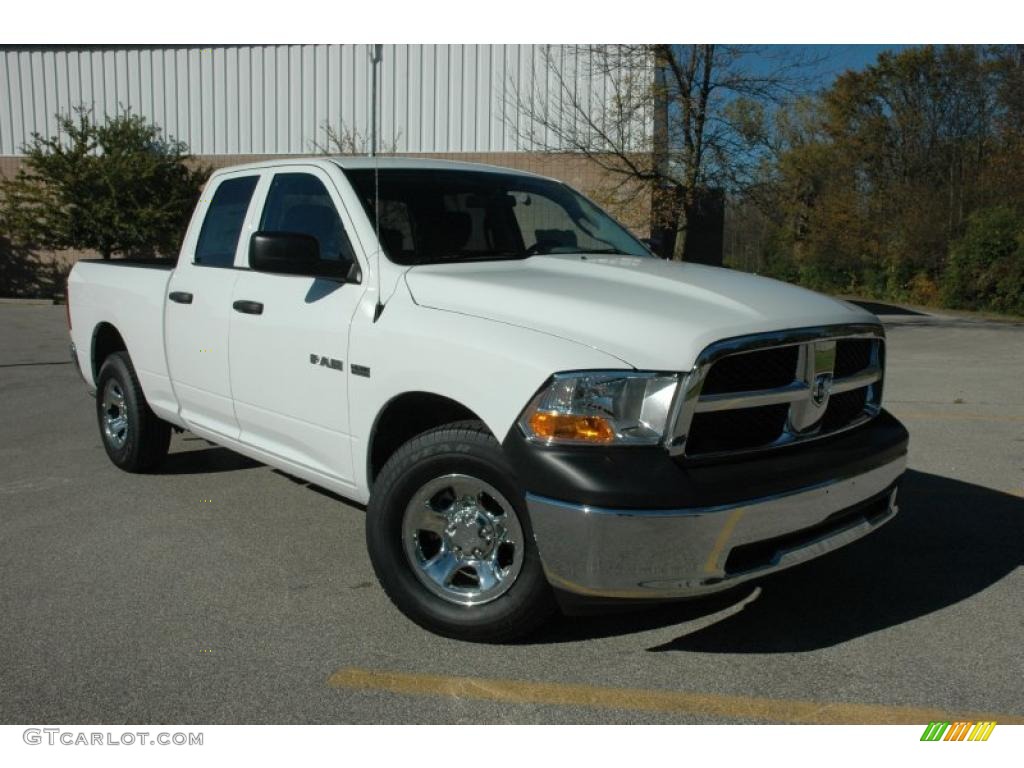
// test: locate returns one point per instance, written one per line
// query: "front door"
(289, 334)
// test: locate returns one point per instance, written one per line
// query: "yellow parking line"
(678, 702)
(711, 566)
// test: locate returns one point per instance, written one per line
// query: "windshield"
(432, 216)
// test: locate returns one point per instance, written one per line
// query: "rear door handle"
(181, 297)
(248, 307)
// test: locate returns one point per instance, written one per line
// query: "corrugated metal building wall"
(277, 99)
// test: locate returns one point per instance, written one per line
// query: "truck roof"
(362, 162)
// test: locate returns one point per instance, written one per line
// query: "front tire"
(450, 539)
(135, 439)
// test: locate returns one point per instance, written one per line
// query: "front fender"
(489, 367)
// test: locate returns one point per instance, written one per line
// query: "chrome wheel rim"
(115, 414)
(463, 539)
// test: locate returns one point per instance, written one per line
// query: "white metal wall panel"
(279, 99)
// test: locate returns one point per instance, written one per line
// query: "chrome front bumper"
(678, 552)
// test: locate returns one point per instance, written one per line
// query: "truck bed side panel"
(130, 297)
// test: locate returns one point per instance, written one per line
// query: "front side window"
(300, 203)
(218, 237)
(439, 216)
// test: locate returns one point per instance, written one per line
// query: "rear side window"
(224, 218)
(299, 202)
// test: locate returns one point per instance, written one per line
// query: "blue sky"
(839, 58)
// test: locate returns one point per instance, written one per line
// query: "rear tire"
(135, 439)
(449, 536)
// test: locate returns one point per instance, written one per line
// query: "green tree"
(986, 265)
(116, 187)
(900, 181)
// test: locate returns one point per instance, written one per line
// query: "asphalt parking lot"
(220, 590)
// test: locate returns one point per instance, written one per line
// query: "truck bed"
(130, 295)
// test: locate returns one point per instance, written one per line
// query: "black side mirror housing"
(290, 253)
(295, 253)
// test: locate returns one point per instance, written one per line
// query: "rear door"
(198, 306)
(289, 335)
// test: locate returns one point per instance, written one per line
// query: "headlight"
(605, 408)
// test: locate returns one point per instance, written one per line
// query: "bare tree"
(348, 141)
(669, 123)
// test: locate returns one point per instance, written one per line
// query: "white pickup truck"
(537, 412)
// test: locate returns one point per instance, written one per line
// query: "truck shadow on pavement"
(950, 541)
(210, 458)
(205, 460)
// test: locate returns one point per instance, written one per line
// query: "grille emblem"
(822, 388)
(816, 368)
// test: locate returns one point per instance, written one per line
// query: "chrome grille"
(852, 356)
(736, 430)
(750, 371)
(774, 389)
(844, 408)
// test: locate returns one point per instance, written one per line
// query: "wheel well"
(105, 341)
(406, 416)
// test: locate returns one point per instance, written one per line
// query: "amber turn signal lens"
(560, 426)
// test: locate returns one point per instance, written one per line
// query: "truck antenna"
(375, 56)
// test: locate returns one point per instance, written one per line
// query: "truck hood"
(649, 313)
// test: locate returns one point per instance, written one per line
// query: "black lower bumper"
(648, 478)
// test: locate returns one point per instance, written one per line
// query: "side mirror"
(295, 253)
(290, 253)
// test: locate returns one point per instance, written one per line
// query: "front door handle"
(248, 307)
(181, 297)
